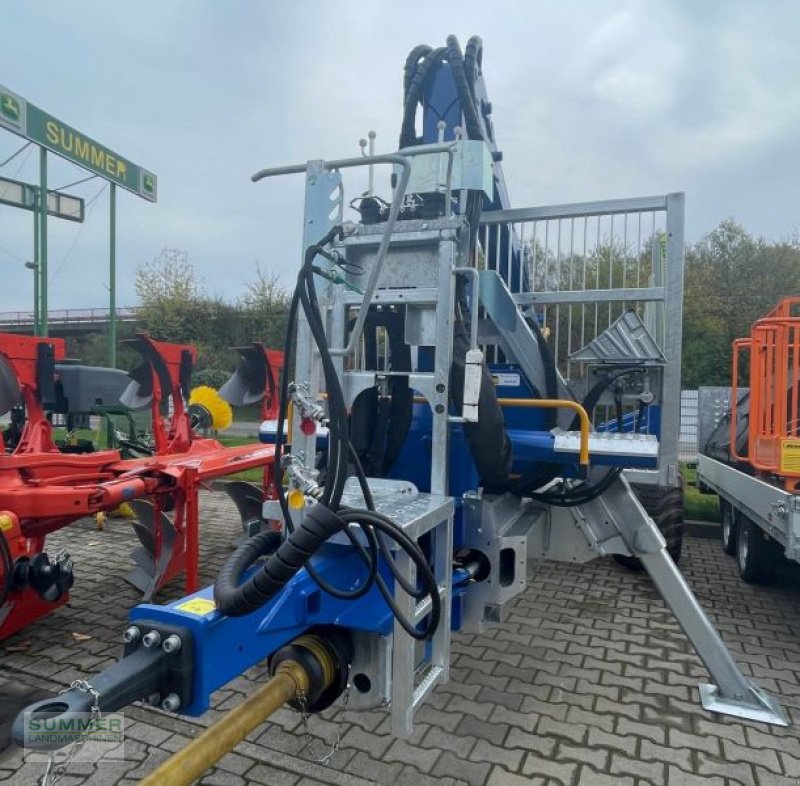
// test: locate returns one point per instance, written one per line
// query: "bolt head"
(131, 634)
(172, 643)
(171, 702)
(152, 639)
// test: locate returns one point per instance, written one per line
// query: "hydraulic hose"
(325, 518)
(464, 88)
(8, 568)
(236, 600)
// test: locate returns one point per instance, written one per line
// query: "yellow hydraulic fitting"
(296, 499)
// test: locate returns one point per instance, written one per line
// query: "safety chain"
(62, 555)
(310, 739)
(53, 774)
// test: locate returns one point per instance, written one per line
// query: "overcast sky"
(591, 101)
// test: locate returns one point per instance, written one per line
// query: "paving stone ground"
(587, 682)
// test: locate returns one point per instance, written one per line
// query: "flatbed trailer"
(760, 520)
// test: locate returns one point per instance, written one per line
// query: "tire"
(729, 527)
(755, 555)
(665, 506)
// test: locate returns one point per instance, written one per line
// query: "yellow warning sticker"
(198, 606)
(790, 455)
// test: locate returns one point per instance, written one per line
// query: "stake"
(42, 271)
(112, 279)
(35, 270)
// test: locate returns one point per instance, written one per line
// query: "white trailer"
(760, 520)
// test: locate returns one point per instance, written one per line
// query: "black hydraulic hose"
(370, 503)
(336, 399)
(337, 411)
(473, 60)
(412, 63)
(640, 416)
(236, 600)
(387, 527)
(279, 440)
(324, 519)
(8, 568)
(229, 596)
(408, 136)
(421, 62)
(579, 495)
(337, 460)
(593, 396)
(464, 89)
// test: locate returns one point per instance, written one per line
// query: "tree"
(92, 348)
(170, 294)
(174, 307)
(608, 264)
(731, 279)
(264, 308)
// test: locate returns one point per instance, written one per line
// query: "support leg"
(618, 512)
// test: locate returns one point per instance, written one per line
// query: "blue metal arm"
(224, 647)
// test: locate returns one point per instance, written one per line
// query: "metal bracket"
(755, 705)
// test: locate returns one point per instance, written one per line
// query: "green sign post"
(21, 117)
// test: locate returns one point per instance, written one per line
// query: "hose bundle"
(422, 63)
(327, 517)
(488, 443)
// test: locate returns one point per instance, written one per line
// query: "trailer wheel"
(754, 554)
(730, 526)
(665, 506)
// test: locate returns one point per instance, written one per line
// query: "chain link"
(53, 774)
(62, 556)
(310, 739)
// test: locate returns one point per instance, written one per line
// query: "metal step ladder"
(417, 668)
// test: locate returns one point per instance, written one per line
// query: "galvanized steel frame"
(665, 295)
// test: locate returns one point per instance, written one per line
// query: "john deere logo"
(9, 106)
(149, 184)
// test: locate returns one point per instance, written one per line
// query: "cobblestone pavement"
(587, 681)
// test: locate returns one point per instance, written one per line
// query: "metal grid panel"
(688, 443)
(589, 262)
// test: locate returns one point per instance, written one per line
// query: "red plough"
(43, 490)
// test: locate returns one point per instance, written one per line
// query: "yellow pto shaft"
(290, 682)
